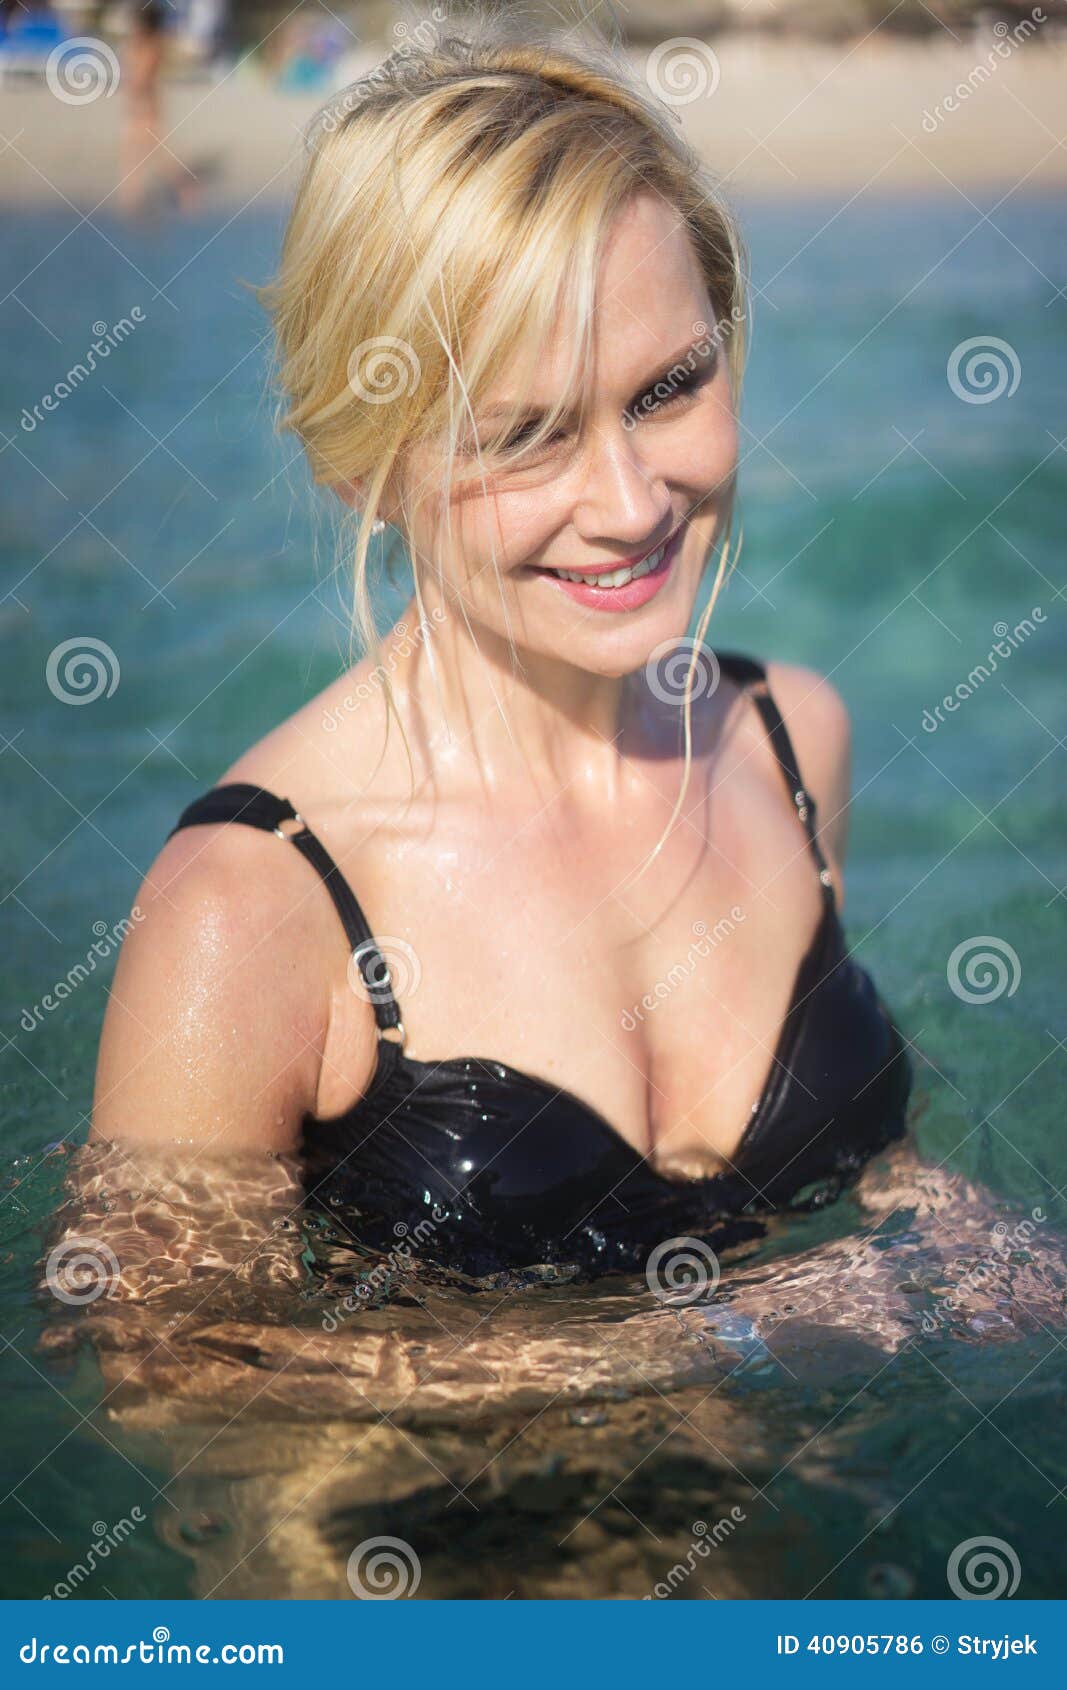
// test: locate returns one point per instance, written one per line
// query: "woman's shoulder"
(323, 751)
(812, 708)
(817, 722)
(216, 1018)
(221, 1002)
(233, 881)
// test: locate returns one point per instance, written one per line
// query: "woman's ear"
(350, 493)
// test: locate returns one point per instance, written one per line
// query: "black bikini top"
(481, 1167)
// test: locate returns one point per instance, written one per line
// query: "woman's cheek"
(521, 525)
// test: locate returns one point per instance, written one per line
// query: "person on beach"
(147, 163)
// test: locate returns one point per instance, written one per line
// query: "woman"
(561, 975)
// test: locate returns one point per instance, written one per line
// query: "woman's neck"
(474, 710)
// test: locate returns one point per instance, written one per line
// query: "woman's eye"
(687, 388)
(525, 435)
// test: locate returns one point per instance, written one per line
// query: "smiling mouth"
(622, 576)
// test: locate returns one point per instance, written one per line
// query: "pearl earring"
(377, 525)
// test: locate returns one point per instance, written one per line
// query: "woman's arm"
(210, 1055)
(217, 1016)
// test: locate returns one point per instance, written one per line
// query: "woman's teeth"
(618, 577)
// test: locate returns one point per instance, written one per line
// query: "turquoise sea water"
(894, 533)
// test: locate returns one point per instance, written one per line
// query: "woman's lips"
(630, 597)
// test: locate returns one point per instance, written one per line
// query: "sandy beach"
(775, 117)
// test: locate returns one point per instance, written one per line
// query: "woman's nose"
(621, 497)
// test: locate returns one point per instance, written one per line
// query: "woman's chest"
(655, 999)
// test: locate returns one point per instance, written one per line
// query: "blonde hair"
(469, 168)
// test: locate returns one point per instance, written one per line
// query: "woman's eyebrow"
(687, 357)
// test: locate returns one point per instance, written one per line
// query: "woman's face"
(633, 501)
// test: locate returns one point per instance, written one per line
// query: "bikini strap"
(238, 801)
(747, 672)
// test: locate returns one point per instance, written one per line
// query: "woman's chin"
(630, 643)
